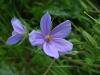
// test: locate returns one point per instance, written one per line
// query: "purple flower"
(52, 40)
(18, 31)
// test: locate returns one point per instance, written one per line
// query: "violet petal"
(36, 38)
(14, 33)
(45, 23)
(14, 39)
(17, 25)
(62, 30)
(51, 50)
(62, 45)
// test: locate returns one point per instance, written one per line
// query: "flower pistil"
(48, 37)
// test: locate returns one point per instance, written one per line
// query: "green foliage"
(23, 59)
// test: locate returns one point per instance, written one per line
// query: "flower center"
(48, 37)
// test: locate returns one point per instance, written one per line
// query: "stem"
(91, 17)
(93, 6)
(49, 67)
(82, 63)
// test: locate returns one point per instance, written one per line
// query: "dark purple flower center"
(48, 37)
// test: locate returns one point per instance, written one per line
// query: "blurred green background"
(24, 59)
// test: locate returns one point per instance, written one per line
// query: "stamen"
(48, 37)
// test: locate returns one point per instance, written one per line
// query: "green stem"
(91, 17)
(93, 6)
(81, 62)
(49, 67)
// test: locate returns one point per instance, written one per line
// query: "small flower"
(52, 40)
(18, 32)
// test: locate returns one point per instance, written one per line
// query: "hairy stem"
(49, 67)
(82, 63)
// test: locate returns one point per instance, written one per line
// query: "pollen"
(48, 37)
